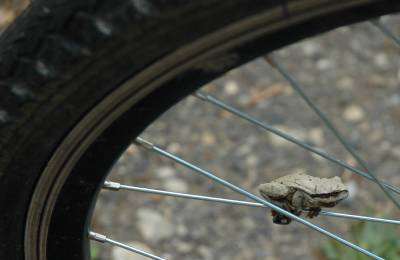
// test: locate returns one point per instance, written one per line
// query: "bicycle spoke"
(358, 217)
(104, 239)
(150, 146)
(386, 31)
(117, 186)
(288, 137)
(296, 86)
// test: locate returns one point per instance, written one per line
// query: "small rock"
(165, 172)
(123, 254)
(345, 83)
(353, 114)
(311, 48)
(205, 252)
(183, 247)
(324, 64)
(381, 60)
(174, 147)
(176, 185)
(153, 226)
(396, 152)
(182, 230)
(231, 88)
(251, 160)
(208, 138)
(316, 136)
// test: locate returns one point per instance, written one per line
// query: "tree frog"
(299, 191)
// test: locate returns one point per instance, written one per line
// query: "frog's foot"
(313, 212)
(280, 219)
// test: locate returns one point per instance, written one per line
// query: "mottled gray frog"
(299, 191)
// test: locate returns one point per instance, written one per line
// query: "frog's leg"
(280, 219)
(313, 212)
(299, 200)
(302, 200)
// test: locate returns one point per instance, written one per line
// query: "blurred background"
(351, 73)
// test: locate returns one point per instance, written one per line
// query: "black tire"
(81, 79)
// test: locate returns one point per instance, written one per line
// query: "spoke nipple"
(97, 237)
(144, 143)
(200, 95)
(111, 185)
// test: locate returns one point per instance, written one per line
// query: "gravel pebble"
(342, 83)
(345, 83)
(231, 88)
(153, 226)
(316, 136)
(396, 152)
(311, 48)
(176, 185)
(353, 113)
(165, 172)
(174, 148)
(205, 252)
(184, 247)
(324, 64)
(381, 60)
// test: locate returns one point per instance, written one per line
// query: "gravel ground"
(351, 73)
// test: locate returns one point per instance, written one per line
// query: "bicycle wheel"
(82, 79)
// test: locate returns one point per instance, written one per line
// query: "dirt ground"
(351, 73)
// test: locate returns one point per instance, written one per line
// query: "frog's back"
(311, 184)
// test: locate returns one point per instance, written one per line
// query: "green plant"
(94, 251)
(383, 240)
